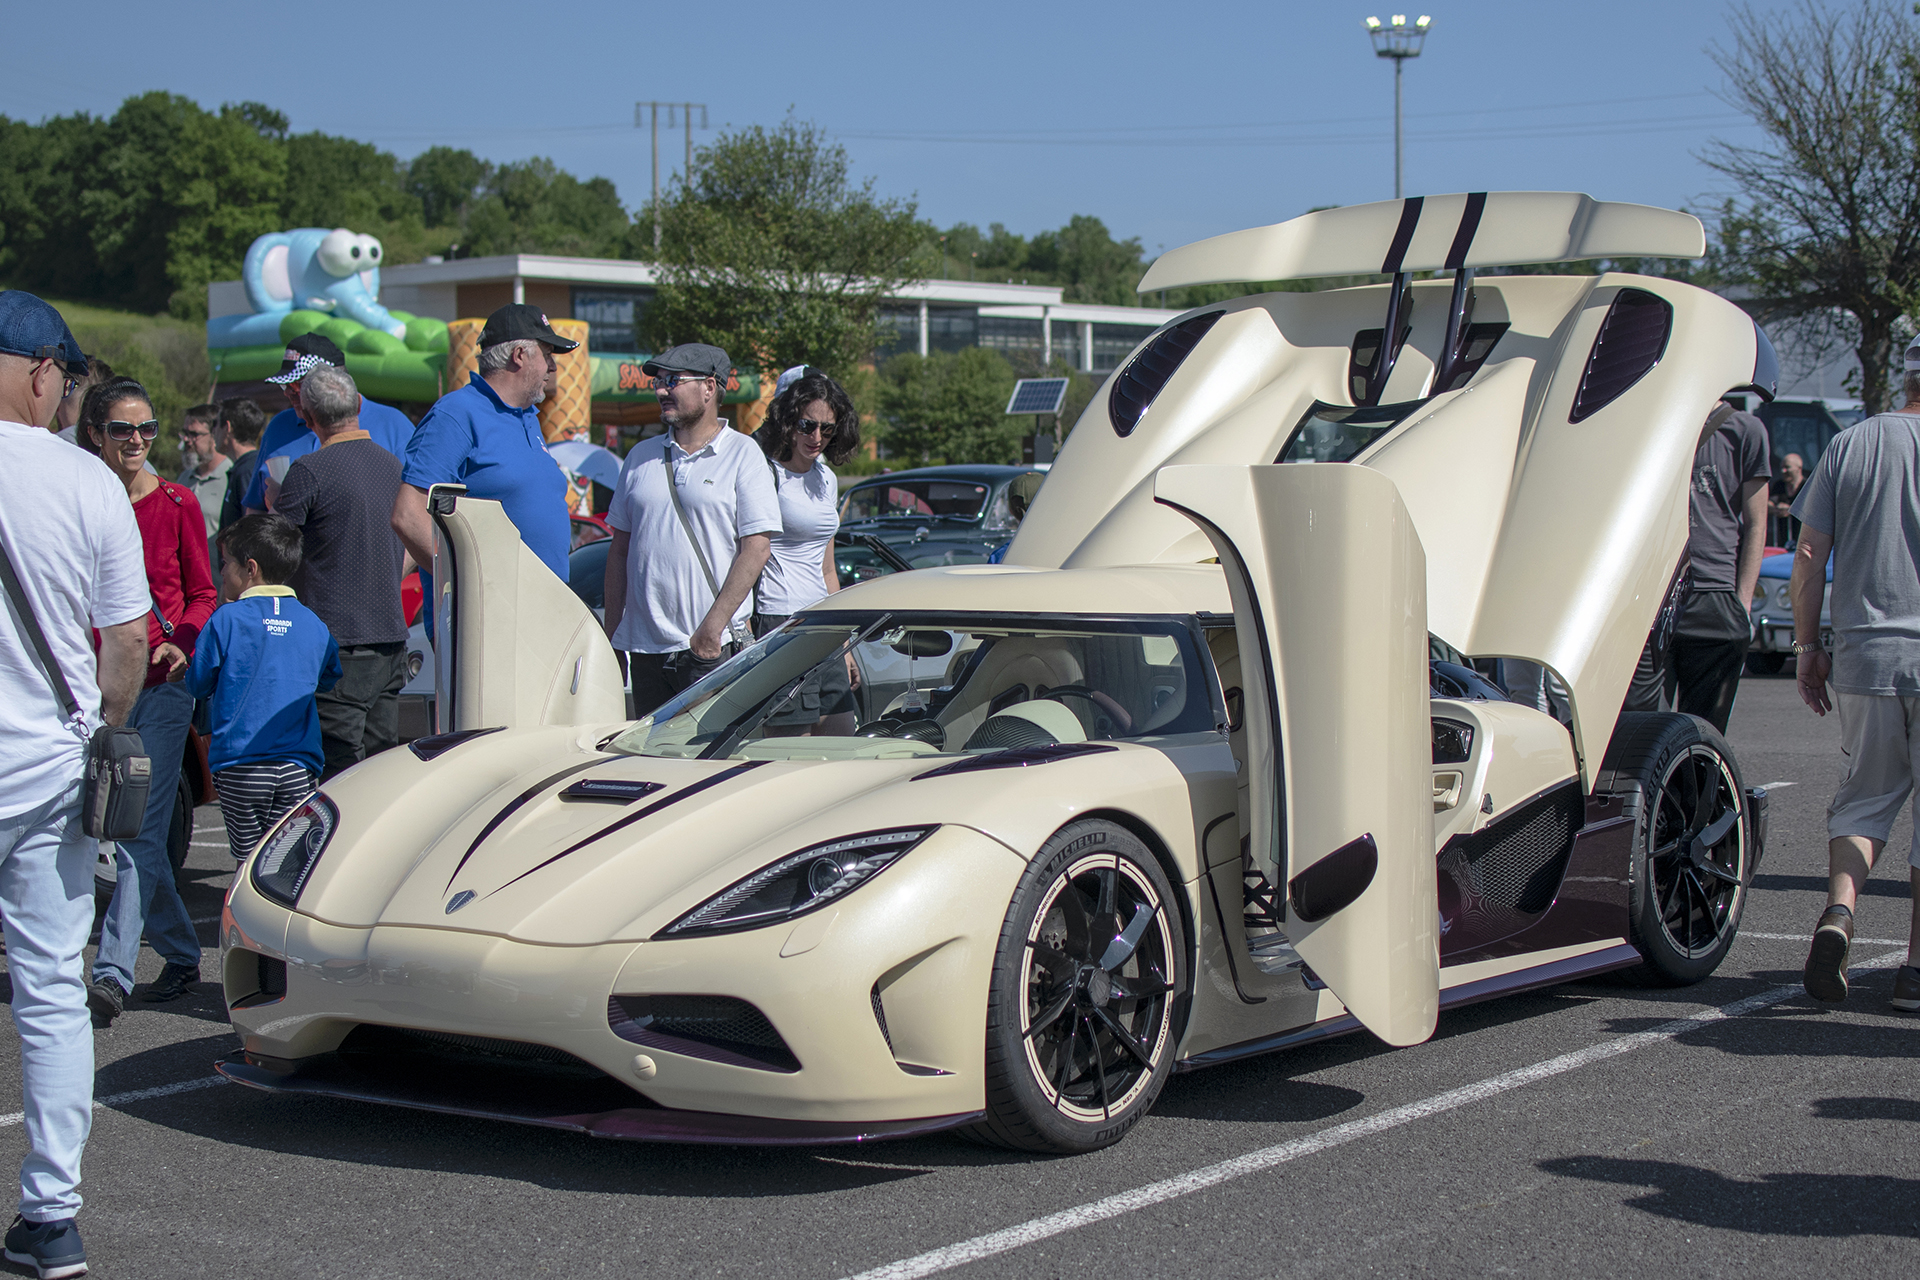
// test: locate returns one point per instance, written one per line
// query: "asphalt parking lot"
(1729, 1128)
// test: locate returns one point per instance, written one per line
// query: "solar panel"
(1038, 395)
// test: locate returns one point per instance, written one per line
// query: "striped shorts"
(254, 796)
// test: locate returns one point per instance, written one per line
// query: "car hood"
(481, 839)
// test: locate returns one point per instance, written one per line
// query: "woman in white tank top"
(810, 423)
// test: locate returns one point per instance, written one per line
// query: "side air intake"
(1632, 339)
(1147, 373)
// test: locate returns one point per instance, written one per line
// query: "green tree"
(534, 206)
(1826, 236)
(446, 182)
(948, 407)
(1082, 257)
(773, 252)
(337, 182)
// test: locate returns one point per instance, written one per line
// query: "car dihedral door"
(1329, 596)
(513, 645)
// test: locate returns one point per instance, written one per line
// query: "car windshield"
(838, 686)
(915, 499)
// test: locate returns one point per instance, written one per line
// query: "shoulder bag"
(118, 771)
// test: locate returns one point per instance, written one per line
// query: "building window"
(952, 328)
(1113, 343)
(614, 317)
(1066, 342)
(896, 329)
(1017, 340)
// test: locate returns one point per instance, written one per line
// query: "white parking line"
(1038, 1229)
(1808, 938)
(134, 1095)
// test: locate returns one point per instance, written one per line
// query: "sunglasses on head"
(117, 430)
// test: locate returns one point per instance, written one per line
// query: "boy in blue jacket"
(260, 659)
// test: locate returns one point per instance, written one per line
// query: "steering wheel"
(1108, 716)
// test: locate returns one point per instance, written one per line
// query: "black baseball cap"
(306, 352)
(519, 320)
(697, 358)
(31, 327)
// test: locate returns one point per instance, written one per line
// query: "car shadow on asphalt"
(1881, 888)
(1776, 1204)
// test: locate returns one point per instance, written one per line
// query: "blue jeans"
(46, 896)
(144, 893)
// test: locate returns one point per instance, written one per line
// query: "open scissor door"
(1329, 596)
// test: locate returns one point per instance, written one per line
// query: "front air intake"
(1632, 339)
(716, 1028)
(1147, 373)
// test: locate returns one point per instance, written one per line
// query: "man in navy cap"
(75, 563)
(289, 436)
(486, 436)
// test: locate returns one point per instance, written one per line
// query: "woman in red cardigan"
(118, 420)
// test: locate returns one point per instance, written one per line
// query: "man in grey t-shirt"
(1862, 504)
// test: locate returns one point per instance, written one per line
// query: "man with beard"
(700, 500)
(486, 436)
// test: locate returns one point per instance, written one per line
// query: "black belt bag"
(119, 772)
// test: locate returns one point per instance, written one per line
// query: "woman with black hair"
(809, 425)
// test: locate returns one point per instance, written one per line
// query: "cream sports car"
(1210, 767)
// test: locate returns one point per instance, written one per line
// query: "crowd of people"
(259, 595)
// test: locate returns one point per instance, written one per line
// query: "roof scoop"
(1471, 230)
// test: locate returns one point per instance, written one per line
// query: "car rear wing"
(1433, 233)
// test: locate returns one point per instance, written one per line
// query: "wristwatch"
(1807, 646)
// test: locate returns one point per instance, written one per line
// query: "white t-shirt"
(76, 548)
(809, 514)
(728, 494)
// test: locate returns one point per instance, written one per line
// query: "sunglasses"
(117, 430)
(807, 427)
(673, 380)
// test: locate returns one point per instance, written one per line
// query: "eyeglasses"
(808, 427)
(118, 430)
(673, 380)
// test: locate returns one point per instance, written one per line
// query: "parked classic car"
(938, 515)
(1198, 772)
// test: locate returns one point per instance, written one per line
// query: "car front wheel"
(1088, 983)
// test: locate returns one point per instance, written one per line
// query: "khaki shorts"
(1880, 738)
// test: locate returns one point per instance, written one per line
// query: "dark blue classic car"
(941, 515)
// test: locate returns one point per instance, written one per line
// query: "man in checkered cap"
(486, 436)
(288, 436)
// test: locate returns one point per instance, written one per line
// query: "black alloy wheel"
(1087, 990)
(1694, 844)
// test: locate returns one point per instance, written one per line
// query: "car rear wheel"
(1693, 847)
(1088, 982)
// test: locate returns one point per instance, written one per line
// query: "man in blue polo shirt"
(486, 435)
(288, 436)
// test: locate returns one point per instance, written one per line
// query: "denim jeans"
(46, 896)
(144, 894)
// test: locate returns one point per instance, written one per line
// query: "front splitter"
(332, 1075)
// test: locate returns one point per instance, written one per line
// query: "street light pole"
(1399, 40)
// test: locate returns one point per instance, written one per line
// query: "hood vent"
(1632, 339)
(1147, 373)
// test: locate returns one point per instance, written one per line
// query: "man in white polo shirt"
(679, 607)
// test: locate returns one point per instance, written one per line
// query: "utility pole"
(1399, 40)
(640, 111)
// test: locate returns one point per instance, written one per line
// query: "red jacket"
(174, 531)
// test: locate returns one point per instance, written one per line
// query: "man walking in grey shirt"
(1862, 504)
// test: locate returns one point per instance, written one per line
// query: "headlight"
(1783, 597)
(798, 883)
(287, 855)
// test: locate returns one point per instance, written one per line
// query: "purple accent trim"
(1620, 956)
(1592, 902)
(1469, 226)
(1017, 758)
(513, 807)
(327, 1076)
(632, 818)
(1397, 251)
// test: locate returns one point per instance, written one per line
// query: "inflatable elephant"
(314, 269)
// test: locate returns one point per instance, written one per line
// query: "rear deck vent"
(1146, 374)
(1632, 339)
(716, 1028)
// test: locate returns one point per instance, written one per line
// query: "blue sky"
(1169, 121)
